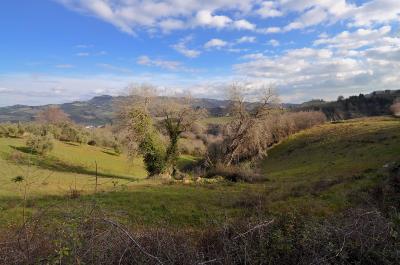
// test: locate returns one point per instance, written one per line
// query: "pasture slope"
(318, 171)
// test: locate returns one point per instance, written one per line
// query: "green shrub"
(3, 131)
(70, 133)
(11, 130)
(154, 154)
(40, 144)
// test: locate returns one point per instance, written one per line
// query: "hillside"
(67, 165)
(330, 165)
(318, 171)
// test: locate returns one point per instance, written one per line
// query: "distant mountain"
(101, 110)
(96, 111)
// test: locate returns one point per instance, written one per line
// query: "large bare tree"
(243, 134)
(52, 115)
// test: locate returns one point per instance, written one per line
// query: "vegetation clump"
(147, 120)
(40, 144)
(9, 130)
(250, 132)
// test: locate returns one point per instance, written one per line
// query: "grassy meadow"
(317, 171)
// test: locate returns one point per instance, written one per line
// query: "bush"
(11, 130)
(235, 173)
(3, 131)
(102, 137)
(71, 133)
(192, 147)
(68, 132)
(154, 154)
(40, 144)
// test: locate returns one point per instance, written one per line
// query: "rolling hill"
(318, 171)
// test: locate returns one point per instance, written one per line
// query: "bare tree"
(243, 137)
(52, 115)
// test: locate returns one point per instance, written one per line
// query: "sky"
(54, 51)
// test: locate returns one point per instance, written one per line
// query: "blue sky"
(54, 51)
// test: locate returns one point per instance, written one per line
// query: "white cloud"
(168, 15)
(215, 43)
(312, 17)
(246, 39)
(129, 15)
(206, 18)
(165, 64)
(357, 39)
(171, 24)
(44, 89)
(253, 56)
(269, 9)
(5, 90)
(181, 48)
(328, 71)
(365, 56)
(244, 24)
(51, 89)
(376, 11)
(270, 30)
(314, 12)
(274, 43)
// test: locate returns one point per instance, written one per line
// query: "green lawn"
(317, 171)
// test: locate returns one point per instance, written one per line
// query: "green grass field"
(329, 164)
(317, 171)
(67, 165)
